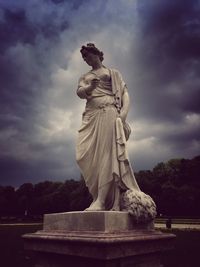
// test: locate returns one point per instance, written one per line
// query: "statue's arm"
(85, 89)
(82, 90)
(125, 105)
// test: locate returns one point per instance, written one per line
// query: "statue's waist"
(99, 101)
(99, 106)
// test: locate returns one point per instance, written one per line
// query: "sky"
(154, 44)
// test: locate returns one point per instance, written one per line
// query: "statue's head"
(91, 49)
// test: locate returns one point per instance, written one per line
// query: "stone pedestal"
(99, 239)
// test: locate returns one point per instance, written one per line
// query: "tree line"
(173, 185)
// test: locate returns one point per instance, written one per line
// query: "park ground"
(185, 253)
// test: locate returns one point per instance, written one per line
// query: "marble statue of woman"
(101, 150)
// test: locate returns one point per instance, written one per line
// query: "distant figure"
(26, 213)
(101, 150)
(169, 223)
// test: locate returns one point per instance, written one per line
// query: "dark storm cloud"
(29, 52)
(169, 57)
(16, 172)
(175, 25)
(23, 60)
(165, 80)
(38, 103)
(40, 64)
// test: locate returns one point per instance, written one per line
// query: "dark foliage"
(173, 185)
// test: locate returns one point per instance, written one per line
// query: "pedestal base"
(103, 239)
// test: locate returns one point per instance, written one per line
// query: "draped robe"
(101, 151)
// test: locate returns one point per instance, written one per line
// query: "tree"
(24, 198)
(8, 200)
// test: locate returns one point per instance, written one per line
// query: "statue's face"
(89, 58)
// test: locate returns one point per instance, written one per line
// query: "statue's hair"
(91, 48)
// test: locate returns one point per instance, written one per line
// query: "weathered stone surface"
(106, 221)
(98, 245)
(96, 239)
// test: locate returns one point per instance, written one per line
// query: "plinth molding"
(101, 238)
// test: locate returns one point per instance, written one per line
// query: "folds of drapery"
(101, 149)
(96, 148)
(126, 173)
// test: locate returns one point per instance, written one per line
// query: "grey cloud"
(30, 53)
(155, 48)
(167, 56)
(165, 80)
(38, 39)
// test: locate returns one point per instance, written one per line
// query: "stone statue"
(101, 150)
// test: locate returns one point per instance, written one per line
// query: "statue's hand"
(94, 83)
(123, 116)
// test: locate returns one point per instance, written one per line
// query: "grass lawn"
(186, 251)
(11, 245)
(185, 254)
